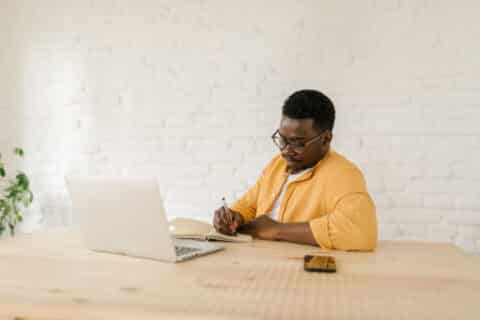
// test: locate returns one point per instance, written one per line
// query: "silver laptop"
(126, 216)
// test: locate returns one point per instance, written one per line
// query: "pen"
(225, 205)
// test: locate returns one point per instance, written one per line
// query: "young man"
(309, 193)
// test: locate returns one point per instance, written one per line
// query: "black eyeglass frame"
(297, 147)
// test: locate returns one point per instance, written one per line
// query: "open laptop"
(126, 216)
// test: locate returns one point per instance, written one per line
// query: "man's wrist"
(299, 232)
(279, 231)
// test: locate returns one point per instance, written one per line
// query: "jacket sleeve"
(351, 224)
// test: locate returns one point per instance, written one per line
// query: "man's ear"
(327, 138)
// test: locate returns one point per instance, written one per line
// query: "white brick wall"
(191, 91)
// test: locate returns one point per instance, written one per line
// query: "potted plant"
(14, 196)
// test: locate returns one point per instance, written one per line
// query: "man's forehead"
(297, 127)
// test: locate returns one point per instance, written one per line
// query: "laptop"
(126, 216)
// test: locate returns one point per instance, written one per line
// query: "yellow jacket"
(332, 197)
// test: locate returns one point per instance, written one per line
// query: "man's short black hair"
(312, 104)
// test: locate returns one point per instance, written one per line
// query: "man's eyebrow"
(297, 138)
(293, 138)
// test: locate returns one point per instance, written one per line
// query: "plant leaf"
(19, 152)
(15, 196)
(6, 210)
(3, 210)
(26, 200)
(22, 181)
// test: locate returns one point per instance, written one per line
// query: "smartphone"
(313, 263)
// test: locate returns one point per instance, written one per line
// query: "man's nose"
(288, 150)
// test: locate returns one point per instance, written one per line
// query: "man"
(309, 193)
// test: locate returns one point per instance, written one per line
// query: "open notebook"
(184, 228)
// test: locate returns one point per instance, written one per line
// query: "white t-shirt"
(274, 214)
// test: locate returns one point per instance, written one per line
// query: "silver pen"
(225, 205)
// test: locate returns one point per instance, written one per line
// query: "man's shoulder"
(337, 164)
(340, 176)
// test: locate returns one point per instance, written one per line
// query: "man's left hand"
(262, 227)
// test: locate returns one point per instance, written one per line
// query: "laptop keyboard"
(180, 251)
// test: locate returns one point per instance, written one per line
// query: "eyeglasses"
(297, 147)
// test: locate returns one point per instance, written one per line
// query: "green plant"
(16, 194)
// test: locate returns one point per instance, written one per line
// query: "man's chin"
(294, 165)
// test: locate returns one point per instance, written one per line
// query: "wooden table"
(50, 275)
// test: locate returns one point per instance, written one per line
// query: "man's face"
(297, 132)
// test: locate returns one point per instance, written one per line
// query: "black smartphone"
(313, 263)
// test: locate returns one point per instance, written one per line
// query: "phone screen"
(319, 263)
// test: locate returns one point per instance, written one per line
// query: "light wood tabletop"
(51, 275)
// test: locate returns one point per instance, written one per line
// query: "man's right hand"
(227, 221)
